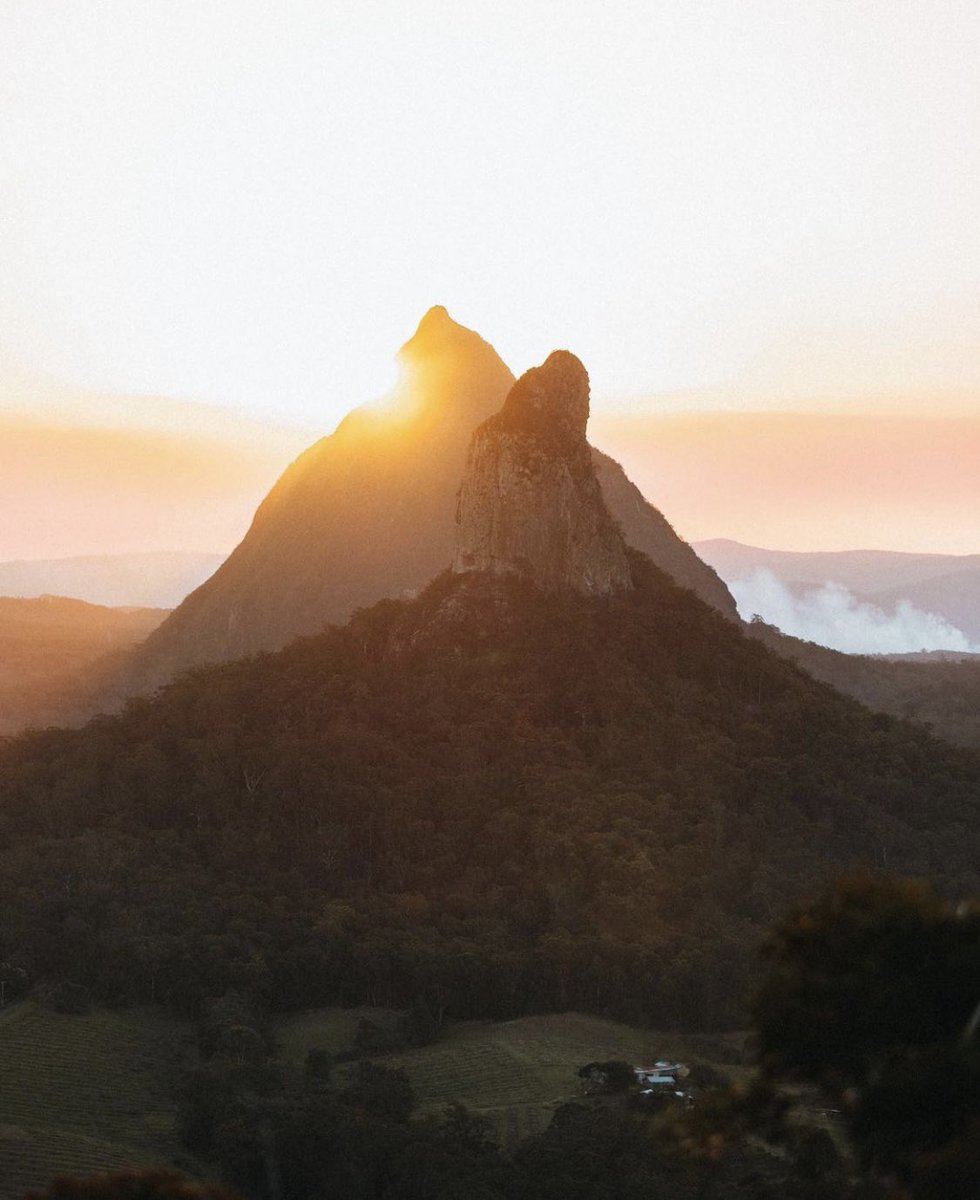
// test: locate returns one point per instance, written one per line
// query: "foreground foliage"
(872, 994)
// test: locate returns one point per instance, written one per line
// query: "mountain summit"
(530, 503)
(434, 330)
(369, 512)
(364, 513)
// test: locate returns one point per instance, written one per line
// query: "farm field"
(80, 1094)
(513, 1073)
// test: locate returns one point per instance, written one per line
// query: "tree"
(611, 1076)
(318, 1067)
(872, 995)
(13, 982)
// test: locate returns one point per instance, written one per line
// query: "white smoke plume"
(833, 616)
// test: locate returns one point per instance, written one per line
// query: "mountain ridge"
(369, 512)
(940, 586)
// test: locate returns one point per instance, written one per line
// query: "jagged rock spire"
(551, 400)
(529, 502)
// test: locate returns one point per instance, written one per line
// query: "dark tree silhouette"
(872, 994)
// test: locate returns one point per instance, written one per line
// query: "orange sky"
(250, 204)
(807, 481)
(67, 491)
(785, 480)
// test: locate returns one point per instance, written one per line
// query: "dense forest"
(942, 694)
(492, 799)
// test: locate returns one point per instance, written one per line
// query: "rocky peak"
(437, 334)
(530, 503)
(435, 322)
(550, 401)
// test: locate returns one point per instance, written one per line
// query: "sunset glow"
(247, 207)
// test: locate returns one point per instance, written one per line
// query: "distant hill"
(155, 580)
(939, 689)
(866, 572)
(53, 652)
(955, 595)
(946, 586)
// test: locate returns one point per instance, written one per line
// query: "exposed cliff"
(530, 503)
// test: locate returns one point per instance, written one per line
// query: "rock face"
(530, 503)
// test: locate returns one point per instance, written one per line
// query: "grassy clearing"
(513, 1073)
(85, 1093)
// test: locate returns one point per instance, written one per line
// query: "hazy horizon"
(86, 474)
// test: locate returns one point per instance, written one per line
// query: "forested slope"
(942, 694)
(496, 799)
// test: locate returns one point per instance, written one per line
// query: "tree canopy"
(486, 799)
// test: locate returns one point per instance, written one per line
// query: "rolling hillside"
(54, 651)
(514, 1074)
(80, 1094)
(158, 580)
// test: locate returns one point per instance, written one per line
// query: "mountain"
(495, 797)
(954, 595)
(155, 580)
(53, 652)
(369, 511)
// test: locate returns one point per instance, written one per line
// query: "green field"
(80, 1094)
(513, 1073)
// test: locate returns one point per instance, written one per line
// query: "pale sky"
(250, 204)
(220, 216)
